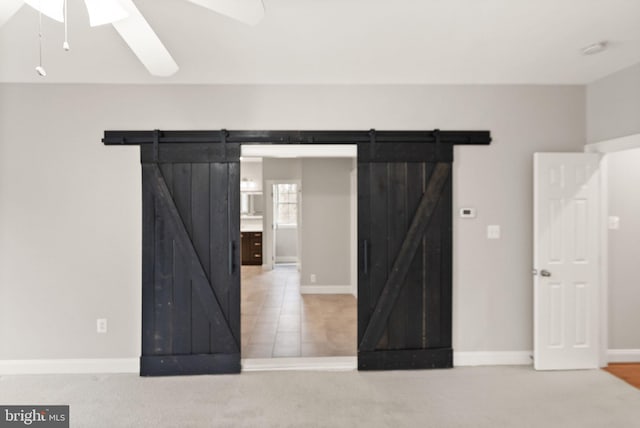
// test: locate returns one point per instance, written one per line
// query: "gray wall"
(280, 169)
(624, 257)
(326, 225)
(613, 105)
(70, 207)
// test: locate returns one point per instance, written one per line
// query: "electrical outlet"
(313, 278)
(101, 325)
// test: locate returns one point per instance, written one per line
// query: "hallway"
(277, 321)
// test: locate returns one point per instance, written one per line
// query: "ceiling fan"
(132, 26)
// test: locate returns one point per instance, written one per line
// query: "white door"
(566, 260)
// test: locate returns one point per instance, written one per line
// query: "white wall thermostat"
(467, 213)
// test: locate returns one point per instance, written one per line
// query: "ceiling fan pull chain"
(40, 69)
(65, 44)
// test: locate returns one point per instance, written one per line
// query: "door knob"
(545, 273)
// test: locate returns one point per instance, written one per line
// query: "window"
(286, 204)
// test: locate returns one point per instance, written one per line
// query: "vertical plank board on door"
(446, 263)
(379, 254)
(200, 219)
(148, 265)
(398, 225)
(415, 277)
(432, 289)
(219, 246)
(163, 273)
(364, 238)
(182, 265)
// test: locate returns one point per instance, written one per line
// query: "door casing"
(605, 147)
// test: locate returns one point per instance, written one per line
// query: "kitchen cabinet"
(251, 248)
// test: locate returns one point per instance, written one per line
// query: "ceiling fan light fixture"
(595, 48)
(105, 12)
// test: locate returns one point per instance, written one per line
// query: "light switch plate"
(614, 222)
(101, 325)
(493, 231)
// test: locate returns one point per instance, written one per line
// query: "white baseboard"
(290, 364)
(623, 355)
(326, 289)
(286, 259)
(132, 365)
(70, 366)
(492, 358)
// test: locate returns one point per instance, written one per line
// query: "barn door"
(191, 237)
(404, 256)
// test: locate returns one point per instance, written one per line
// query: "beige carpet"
(464, 397)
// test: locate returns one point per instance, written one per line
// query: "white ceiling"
(343, 42)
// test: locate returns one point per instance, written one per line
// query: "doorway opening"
(619, 226)
(620, 173)
(299, 248)
(285, 220)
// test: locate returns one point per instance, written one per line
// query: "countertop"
(251, 229)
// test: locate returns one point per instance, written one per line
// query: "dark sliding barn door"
(404, 233)
(191, 244)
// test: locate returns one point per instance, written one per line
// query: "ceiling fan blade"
(248, 11)
(51, 8)
(8, 8)
(104, 11)
(143, 41)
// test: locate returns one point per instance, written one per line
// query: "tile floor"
(277, 321)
